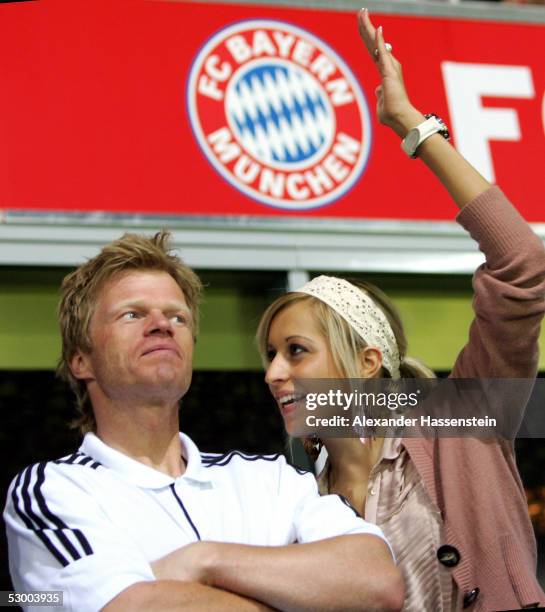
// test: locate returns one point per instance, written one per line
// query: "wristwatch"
(417, 135)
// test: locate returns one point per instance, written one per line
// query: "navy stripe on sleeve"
(301, 471)
(42, 521)
(47, 514)
(85, 460)
(55, 519)
(209, 461)
(70, 459)
(80, 459)
(29, 525)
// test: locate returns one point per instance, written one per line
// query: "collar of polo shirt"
(139, 474)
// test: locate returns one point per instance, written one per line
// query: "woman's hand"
(394, 108)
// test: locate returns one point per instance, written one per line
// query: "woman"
(453, 508)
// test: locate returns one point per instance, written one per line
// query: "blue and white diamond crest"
(280, 114)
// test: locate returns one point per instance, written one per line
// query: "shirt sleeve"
(509, 290)
(318, 517)
(60, 539)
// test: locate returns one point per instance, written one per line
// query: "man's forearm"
(176, 596)
(343, 573)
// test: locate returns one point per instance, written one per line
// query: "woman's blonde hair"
(345, 343)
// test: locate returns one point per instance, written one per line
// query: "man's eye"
(180, 319)
(131, 314)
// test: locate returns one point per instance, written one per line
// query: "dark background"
(222, 411)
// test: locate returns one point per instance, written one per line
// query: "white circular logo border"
(191, 96)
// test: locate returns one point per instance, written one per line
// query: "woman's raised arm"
(395, 110)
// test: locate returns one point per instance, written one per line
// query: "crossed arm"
(177, 596)
(353, 572)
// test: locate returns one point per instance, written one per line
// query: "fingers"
(367, 32)
(384, 56)
(373, 39)
(391, 94)
(379, 41)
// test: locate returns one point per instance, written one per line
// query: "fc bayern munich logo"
(279, 114)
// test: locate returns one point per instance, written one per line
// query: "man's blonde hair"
(80, 290)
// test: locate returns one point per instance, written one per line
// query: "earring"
(313, 446)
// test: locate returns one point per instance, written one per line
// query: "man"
(138, 519)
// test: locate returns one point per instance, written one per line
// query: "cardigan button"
(471, 596)
(448, 555)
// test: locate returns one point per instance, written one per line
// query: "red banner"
(162, 107)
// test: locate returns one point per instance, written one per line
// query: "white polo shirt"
(90, 524)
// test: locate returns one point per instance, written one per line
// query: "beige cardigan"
(475, 482)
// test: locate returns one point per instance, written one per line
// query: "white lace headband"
(361, 313)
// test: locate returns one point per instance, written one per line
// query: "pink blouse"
(398, 503)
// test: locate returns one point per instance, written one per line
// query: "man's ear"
(80, 366)
(370, 362)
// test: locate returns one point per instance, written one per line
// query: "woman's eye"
(271, 353)
(296, 349)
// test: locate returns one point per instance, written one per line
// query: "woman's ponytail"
(414, 368)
